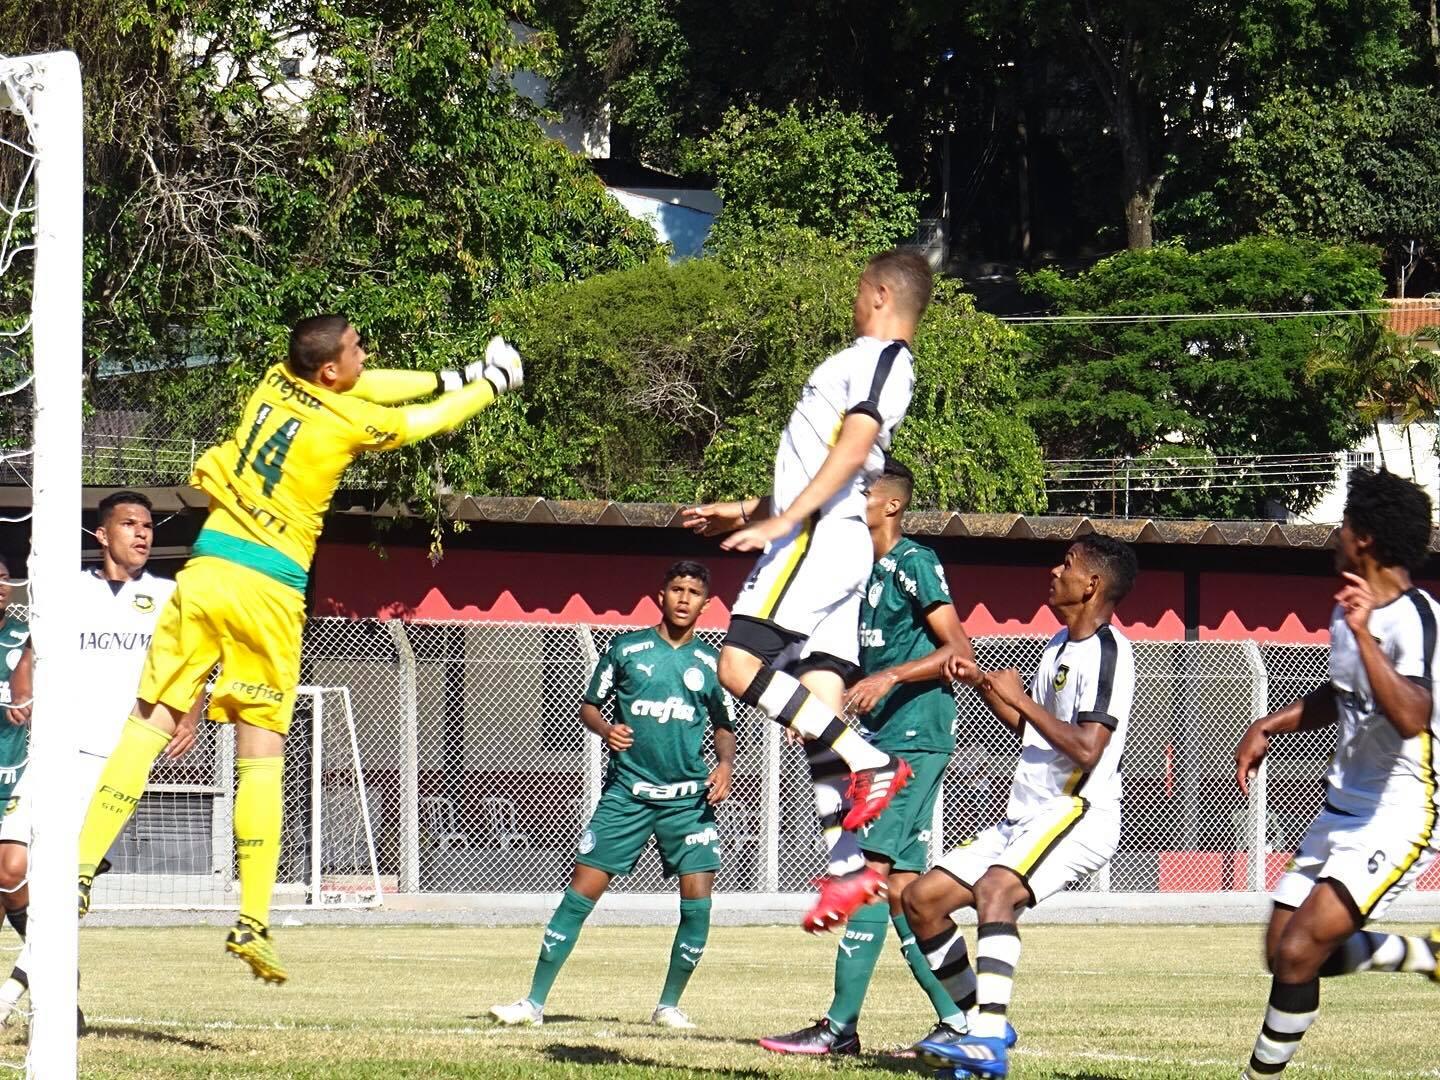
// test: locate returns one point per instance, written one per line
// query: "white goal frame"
(46, 91)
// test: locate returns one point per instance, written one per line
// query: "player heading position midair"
(240, 600)
(665, 689)
(1376, 833)
(792, 643)
(908, 631)
(1063, 817)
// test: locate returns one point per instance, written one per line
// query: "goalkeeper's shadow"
(143, 1034)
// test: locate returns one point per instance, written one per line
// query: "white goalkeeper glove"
(501, 367)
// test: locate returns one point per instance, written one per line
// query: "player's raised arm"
(393, 386)
(498, 373)
(857, 436)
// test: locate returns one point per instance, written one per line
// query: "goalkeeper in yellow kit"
(240, 600)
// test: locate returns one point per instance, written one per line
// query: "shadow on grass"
(604, 1055)
(1087, 1076)
(148, 1035)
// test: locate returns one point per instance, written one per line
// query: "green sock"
(688, 947)
(559, 939)
(855, 962)
(945, 1007)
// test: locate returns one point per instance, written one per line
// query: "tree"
(673, 383)
(822, 169)
(1223, 386)
(401, 180)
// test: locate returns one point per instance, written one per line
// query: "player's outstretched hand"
(1254, 745)
(620, 737)
(866, 694)
(501, 367)
(715, 518)
(755, 537)
(963, 669)
(719, 783)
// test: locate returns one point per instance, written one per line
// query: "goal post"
(45, 92)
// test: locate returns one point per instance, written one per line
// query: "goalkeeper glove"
(501, 367)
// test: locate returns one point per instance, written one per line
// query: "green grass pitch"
(410, 1001)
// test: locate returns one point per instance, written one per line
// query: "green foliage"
(821, 169)
(1221, 387)
(1343, 164)
(402, 181)
(674, 382)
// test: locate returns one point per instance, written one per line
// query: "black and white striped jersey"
(874, 377)
(1373, 765)
(1090, 680)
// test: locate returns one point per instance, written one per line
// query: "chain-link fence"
(475, 775)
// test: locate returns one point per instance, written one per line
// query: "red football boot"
(872, 789)
(841, 897)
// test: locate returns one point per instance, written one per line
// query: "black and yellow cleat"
(85, 882)
(253, 945)
(1434, 942)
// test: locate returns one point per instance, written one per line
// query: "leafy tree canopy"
(1218, 387)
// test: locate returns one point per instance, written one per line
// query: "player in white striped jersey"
(793, 641)
(119, 603)
(1063, 818)
(1377, 831)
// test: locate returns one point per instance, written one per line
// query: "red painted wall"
(354, 580)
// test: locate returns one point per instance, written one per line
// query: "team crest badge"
(587, 842)
(694, 680)
(1062, 676)
(143, 603)
(876, 591)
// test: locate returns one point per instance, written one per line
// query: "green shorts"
(902, 833)
(685, 831)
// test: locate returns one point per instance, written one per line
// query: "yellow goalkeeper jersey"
(272, 481)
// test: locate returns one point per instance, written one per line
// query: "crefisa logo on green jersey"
(672, 708)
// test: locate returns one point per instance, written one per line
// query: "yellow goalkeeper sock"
(257, 834)
(121, 784)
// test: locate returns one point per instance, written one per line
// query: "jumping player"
(792, 644)
(240, 600)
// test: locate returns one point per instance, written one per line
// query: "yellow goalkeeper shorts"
(248, 623)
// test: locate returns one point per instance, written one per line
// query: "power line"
(1195, 317)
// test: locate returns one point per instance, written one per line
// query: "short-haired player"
(1063, 817)
(908, 631)
(793, 641)
(1376, 833)
(118, 602)
(665, 689)
(240, 600)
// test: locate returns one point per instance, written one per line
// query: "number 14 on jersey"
(269, 459)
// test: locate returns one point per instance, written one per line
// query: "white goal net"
(178, 850)
(41, 226)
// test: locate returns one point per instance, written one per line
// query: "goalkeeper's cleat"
(253, 945)
(10, 994)
(872, 789)
(670, 1016)
(522, 1013)
(1433, 940)
(85, 882)
(840, 897)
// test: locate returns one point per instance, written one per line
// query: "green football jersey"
(903, 586)
(14, 739)
(665, 695)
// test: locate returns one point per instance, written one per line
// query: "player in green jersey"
(16, 658)
(665, 687)
(908, 628)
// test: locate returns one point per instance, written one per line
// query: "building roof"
(1411, 316)
(536, 511)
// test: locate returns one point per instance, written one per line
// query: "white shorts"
(1374, 857)
(15, 826)
(810, 583)
(1059, 843)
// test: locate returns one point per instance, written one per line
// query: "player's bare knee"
(998, 895)
(738, 669)
(924, 902)
(14, 866)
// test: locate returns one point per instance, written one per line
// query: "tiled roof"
(1410, 316)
